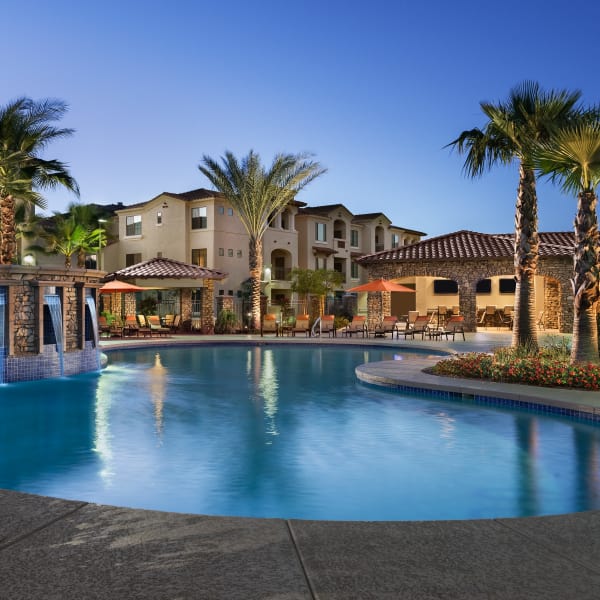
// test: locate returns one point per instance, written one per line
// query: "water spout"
(53, 302)
(2, 342)
(91, 304)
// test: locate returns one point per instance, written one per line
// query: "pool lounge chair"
(131, 326)
(155, 327)
(421, 325)
(301, 325)
(174, 326)
(327, 325)
(358, 325)
(388, 324)
(269, 324)
(455, 324)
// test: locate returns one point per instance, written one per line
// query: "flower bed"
(549, 367)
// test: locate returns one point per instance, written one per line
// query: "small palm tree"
(259, 195)
(512, 131)
(63, 235)
(573, 160)
(25, 131)
(87, 216)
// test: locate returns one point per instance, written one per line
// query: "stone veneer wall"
(467, 273)
(26, 356)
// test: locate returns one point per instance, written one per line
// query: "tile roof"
(167, 268)
(461, 245)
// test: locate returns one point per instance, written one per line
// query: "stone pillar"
(467, 303)
(208, 313)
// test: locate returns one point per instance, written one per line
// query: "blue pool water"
(286, 431)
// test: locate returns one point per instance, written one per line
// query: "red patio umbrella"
(381, 285)
(119, 287)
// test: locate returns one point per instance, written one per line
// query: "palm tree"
(25, 131)
(87, 216)
(63, 235)
(259, 195)
(528, 117)
(573, 159)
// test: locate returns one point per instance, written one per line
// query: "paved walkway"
(59, 549)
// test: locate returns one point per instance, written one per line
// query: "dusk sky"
(374, 90)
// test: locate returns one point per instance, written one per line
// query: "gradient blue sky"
(374, 89)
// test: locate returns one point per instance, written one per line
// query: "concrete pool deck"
(61, 549)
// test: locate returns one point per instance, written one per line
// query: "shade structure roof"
(381, 285)
(471, 245)
(167, 268)
(119, 287)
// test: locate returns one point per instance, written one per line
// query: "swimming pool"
(286, 431)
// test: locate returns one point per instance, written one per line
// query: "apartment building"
(201, 228)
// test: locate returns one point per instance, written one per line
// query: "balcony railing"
(282, 274)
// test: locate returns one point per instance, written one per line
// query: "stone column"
(208, 313)
(467, 303)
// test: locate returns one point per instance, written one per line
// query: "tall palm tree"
(259, 195)
(513, 128)
(26, 128)
(573, 160)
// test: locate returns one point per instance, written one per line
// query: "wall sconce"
(29, 260)
(267, 275)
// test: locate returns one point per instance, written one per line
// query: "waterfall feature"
(53, 302)
(91, 304)
(2, 322)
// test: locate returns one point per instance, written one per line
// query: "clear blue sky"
(374, 89)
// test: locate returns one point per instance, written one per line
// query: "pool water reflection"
(286, 431)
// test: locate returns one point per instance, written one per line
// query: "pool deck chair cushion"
(301, 325)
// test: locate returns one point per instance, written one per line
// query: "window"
(484, 286)
(159, 218)
(199, 257)
(221, 210)
(132, 259)
(507, 286)
(199, 219)
(354, 270)
(395, 240)
(133, 225)
(445, 286)
(239, 254)
(230, 212)
(285, 220)
(321, 232)
(221, 251)
(230, 252)
(159, 255)
(221, 292)
(354, 238)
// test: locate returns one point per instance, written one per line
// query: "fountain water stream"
(91, 303)
(53, 302)
(2, 342)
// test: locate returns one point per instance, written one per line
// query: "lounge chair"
(270, 324)
(358, 325)
(327, 325)
(455, 324)
(421, 325)
(174, 326)
(131, 326)
(301, 325)
(388, 324)
(168, 321)
(156, 327)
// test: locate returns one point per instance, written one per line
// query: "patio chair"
(156, 327)
(301, 325)
(327, 325)
(541, 320)
(269, 324)
(131, 326)
(421, 325)
(506, 316)
(388, 324)
(174, 326)
(489, 316)
(168, 320)
(455, 324)
(357, 325)
(103, 327)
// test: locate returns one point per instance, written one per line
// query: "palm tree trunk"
(526, 259)
(255, 259)
(585, 281)
(8, 233)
